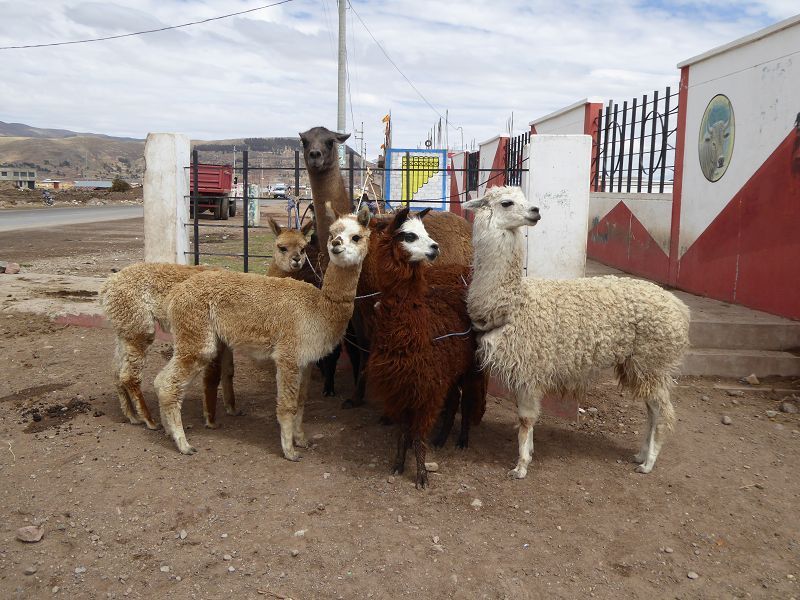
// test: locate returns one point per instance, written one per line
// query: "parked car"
(279, 190)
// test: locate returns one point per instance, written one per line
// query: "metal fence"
(237, 241)
(634, 149)
(515, 158)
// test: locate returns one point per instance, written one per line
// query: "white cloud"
(273, 72)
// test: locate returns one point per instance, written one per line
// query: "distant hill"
(64, 154)
(27, 131)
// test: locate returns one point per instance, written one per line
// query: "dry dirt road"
(126, 516)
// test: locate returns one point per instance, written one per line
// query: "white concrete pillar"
(166, 193)
(558, 183)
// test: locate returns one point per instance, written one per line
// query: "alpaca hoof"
(152, 425)
(292, 456)
(301, 442)
(186, 449)
(351, 403)
(134, 421)
(422, 480)
(328, 393)
(212, 425)
(462, 444)
(518, 473)
(232, 412)
(639, 457)
(398, 469)
(386, 421)
(643, 469)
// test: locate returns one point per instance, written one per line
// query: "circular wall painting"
(715, 142)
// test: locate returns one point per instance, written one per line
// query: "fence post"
(557, 245)
(246, 211)
(297, 174)
(194, 203)
(166, 190)
(351, 167)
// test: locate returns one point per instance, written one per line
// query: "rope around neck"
(441, 337)
(308, 260)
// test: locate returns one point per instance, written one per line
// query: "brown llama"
(423, 347)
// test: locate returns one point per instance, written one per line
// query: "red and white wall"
(737, 238)
(492, 164)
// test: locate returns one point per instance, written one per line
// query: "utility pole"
(358, 137)
(340, 119)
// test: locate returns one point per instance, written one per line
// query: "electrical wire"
(124, 35)
(394, 64)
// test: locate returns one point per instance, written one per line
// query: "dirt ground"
(14, 198)
(125, 515)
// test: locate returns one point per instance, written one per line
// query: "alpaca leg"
(353, 353)
(131, 377)
(422, 472)
(528, 407)
(228, 397)
(288, 376)
(448, 416)
(211, 378)
(663, 421)
(403, 443)
(298, 433)
(125, 403)
(467, 400)
(328, 367)
(170, 385)
(641, 456)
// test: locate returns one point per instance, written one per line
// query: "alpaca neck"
(497, 273)
(398, 278)
(327, 186)
(339, 287)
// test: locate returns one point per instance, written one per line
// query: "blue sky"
(273, 72)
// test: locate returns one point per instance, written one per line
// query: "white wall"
(762, 80)
(488, 151)
(567, 120)
(166, 192)
(559, 185)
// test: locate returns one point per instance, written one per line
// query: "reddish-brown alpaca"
(409, 368)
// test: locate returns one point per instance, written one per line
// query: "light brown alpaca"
(258, 313)
(135, 300)
(289, 255)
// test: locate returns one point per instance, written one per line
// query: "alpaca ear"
(276, 229)
(331, 212)
(474, 204)
(363, 216)
(306, 227)
(423, 212)
(400, 217)
(342, 137)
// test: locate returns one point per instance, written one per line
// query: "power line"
(124, 35)
(389, 58)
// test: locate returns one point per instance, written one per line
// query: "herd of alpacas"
(427, 306)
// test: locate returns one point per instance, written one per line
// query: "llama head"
(319, 148)
(408, 232)
(504, 207)
(290, 246)
(348, 237)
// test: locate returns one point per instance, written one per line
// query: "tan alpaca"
(135, 300)
(257, 313)
(289, 255)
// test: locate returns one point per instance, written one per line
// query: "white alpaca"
(544, 336)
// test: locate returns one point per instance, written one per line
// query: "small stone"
(399, 519)
(183, 534)
(735, 393)
(751, 379)
(668, 550)
(224, 535)
(55, 589)
(476, 504)
(231, 569)
(300, 533)
(178, 578)
(726, 420)
(12, 268)
(704, 398)
(432, 467)
(30, 534)
(438, 547)
(692, 575)
(227, 557)
(772, 414)
(80, 570)
(30, 570)
(165, 569)
(592, 410)
(295, 552)
(436, 539)
(326, 475)
(789, 407)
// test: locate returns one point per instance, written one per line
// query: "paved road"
(11, 220)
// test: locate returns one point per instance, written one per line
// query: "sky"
(273, 72)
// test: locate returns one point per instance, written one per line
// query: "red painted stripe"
(677, 188)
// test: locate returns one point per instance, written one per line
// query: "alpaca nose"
(315, 154)
(534, 215)
(435, 247)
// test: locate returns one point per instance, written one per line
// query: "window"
(4, 174)
(31, 174)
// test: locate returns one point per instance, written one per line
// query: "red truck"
(214, 190)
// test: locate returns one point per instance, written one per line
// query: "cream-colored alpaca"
(260, 314)
(289, 255)
(135, 300)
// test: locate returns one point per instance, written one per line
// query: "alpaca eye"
(356, 238)
(282, 248)
(506, 203)
(329, 143)
(411, 237)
